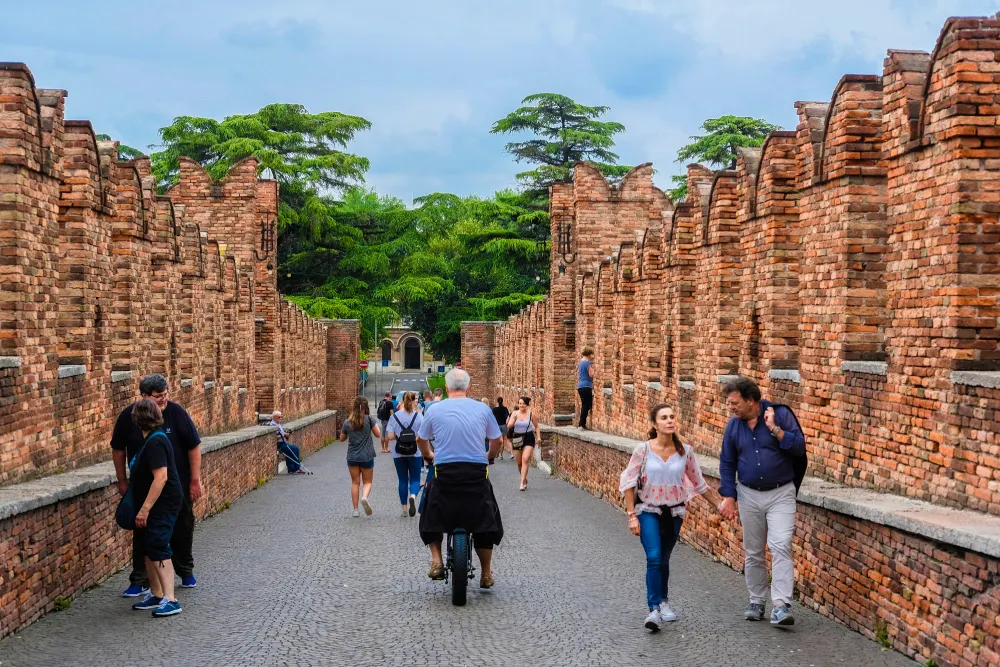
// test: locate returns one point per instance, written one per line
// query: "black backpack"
(385, 410)
(406, 440)
(800, 463)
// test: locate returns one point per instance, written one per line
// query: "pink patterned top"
(673, 482)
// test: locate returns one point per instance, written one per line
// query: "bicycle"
(458, 564)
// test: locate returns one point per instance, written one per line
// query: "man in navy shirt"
(126, 441)
(759, 448)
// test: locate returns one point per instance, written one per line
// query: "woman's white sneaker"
(666, 613)
(367, 506)
(654, 620)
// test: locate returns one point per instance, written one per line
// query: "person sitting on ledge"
(291, 452)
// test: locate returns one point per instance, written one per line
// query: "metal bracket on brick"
(10, 362)
(72, 370)
(121, 376)
(186, 383)
(869, 367)
(989, 379)
(784, 374)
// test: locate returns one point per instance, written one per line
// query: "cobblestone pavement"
(287, 577)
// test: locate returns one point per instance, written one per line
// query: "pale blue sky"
(432, 76)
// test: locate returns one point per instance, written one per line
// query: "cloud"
(433, 76)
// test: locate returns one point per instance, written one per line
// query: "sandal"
(436, 572)
(486, 581)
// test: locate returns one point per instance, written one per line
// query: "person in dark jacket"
(126, 441)
(501, 413)
(158, 494)
(759, 449)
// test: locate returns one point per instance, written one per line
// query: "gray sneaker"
(782, 615)
(654, 620)
(754, 612)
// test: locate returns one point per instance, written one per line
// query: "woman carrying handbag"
(156, 491)
(522, 428)
(664, 475)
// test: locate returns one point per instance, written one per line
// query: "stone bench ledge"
(26, 496)
(963, 528)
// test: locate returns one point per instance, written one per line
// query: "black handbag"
(126, 512)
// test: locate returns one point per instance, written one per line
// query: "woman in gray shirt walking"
(358, 430)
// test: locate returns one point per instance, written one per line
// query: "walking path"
(287, 577)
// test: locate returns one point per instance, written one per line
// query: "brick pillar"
(343, 342)
(479, 357)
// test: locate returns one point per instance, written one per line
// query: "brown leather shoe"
(486, 581)
(436, 572)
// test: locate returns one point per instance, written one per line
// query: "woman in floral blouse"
(665, 475)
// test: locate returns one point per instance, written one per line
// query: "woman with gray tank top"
(522, 428)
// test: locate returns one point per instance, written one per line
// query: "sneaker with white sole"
(654, 620)
(167, 608)
(135, 591)
(367, 506)
(355, 514)
(754, 612)
(150, 601)
(413, 505)
(666, 613)
(405, 514)
(781, 614)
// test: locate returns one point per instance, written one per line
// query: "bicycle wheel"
(459, 568)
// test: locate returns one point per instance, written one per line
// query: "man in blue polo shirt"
(759, 448)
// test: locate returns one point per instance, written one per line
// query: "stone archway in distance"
(411, 354)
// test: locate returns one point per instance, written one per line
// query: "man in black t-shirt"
(126, 442)
(501, 414)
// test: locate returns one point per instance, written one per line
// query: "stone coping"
(27, 496)
(72, 370)
(785, 374)
(990, 379)
(869, 367)
(963, 528)
(10, 362)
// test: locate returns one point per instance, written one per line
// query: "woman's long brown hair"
(653, 412)
(358, 413)
(409, 399)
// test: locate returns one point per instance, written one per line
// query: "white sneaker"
(355, 514)
(666, 613)
(367, 505)
(405, 513)
(654, 620)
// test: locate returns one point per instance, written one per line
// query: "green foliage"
(882, 633)
(125, 152)
(565, 133)
(717, 147)
(62, 603)
(291, 144)
(930, 662)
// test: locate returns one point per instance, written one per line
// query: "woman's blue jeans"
(408, 472)
(658, 533)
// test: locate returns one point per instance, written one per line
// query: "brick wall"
(934, 600)
(62, 548)
(103, 281)
(850, 266)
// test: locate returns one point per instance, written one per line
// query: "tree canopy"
(717, 147)
(566, 132)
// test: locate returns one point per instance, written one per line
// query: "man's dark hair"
(499, 400)
(388, 395)
(146, 415)
(439, 393)
(153, 383)
(748, 388)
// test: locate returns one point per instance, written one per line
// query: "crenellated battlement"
(105, 280)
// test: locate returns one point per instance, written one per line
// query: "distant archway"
(411, 354)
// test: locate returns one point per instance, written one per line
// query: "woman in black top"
(501, 413)
(157, 489)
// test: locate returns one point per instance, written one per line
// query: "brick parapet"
(867, 560)
(58, 535)
(106, 281)
(849, 266)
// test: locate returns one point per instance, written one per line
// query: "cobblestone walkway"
(287, 577)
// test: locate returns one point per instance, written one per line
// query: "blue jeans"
(292, 457)
(408, 472)
(658, 533)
